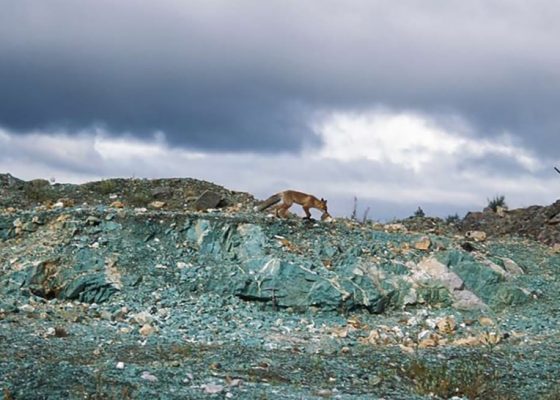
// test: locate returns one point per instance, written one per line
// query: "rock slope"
(105, 297)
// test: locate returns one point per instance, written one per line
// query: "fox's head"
(322, 205)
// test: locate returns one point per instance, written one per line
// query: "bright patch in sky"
(409, 140)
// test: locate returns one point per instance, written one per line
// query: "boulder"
(208, 199)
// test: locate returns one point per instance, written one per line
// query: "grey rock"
(207, 200)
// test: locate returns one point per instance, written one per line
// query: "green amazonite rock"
(486, 283)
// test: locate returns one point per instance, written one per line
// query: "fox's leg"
(282, 210)
(307, 213)
(277, 210)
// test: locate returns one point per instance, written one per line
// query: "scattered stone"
(395, 228)
(106, 315)
(27, 308)
(157, 204)
(512, 267)
(120, 365)
(207, 200)
(211, 388)
(117, 204)
(58, 204)
(485, 321)
(162, 192)
(91, 220)
(147, 330)
(50, 332)
(233, 382)
(467, 301)
(324, 393)
(477, 236)
(423, 244)
(554, 220)
(148, 377)
(143, 318)
(431, 340)
(467, 341)
(501, 211)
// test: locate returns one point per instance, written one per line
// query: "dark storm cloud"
(247, 75)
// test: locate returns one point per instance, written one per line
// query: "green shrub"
(463, 377)
(453, 219)
(497, 201)
(39, 190)
(106, 187)
(139, 198)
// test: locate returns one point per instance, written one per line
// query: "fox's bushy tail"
(272, 200)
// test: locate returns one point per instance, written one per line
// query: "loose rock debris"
(146, 300)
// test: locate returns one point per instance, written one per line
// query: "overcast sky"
(438, 104)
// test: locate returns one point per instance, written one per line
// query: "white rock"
(512, 267)
(477, 236)
(147, 330)
(212, 389)
(28, 308)
(143, 318)
(467, 300)
(157, 204)
(424, 334)
(149, 377)
(395, 228)
(120, 365)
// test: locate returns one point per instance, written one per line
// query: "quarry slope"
(105, 293)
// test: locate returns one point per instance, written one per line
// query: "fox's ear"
(323, 200)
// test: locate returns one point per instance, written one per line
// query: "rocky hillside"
(169, 194)
(177, 289)
(541, 223)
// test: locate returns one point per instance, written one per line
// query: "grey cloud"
(247, 75)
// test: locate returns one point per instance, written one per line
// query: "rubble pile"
(186, 292)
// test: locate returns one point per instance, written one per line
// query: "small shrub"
(354, 215)
(452, 219)
(497, 201)
(40, 191)
(106, 187)
(468, 378)
(365, 216)
(419, 213)
(139, 198)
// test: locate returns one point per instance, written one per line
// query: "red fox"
(289, 197)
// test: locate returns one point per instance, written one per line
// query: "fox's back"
(303, 199)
